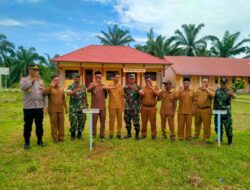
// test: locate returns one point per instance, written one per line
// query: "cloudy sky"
(61, 26)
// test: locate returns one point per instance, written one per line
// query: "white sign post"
(3, 71)
(90, 111)
(219, 113)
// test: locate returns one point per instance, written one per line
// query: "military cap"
(223, 80)
(76, 75)
(166, 81)
(131, 75)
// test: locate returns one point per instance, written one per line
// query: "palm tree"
(48, 63)
(159, 46)
(48, 68)
(188, 41)
(115, 36)
(247, 51)
(24, 59)
(227, 46)
(7, 50)
(203, 52)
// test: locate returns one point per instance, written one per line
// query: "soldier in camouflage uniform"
(132, 106)
(222, 101)
(78, 101)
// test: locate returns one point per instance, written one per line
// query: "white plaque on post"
(90, 111)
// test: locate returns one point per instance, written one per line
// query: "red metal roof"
(109, 54)
(212, 66)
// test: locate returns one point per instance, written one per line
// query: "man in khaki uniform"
(148, 108)
(116, 106)
(168, 107)
(186, 98)
(204, 97)
(56, 105)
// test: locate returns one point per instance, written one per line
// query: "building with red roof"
(109, 59)
(213, 67)
(124, 59)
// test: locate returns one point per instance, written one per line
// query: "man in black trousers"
(33, 105)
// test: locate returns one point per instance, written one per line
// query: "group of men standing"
(135, 101)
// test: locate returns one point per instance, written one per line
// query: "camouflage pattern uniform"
(222, 101)
(76, 104)
(132, 107)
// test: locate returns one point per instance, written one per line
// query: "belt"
(149, 106)
(202, 108)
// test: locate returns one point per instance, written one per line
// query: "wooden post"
(81, 72)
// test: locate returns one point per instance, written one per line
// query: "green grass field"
(125, 164)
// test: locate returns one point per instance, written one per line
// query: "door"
(88, 77)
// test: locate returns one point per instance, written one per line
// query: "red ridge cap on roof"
(109, 54)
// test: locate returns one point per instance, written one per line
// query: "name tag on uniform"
(90, 110)
(222, 112)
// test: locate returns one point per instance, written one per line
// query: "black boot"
(119, 137)
(79, 135)
(230, 140)
(26, 144)
(128, 134)
(73, 136)
(40, 142)
(137, 134)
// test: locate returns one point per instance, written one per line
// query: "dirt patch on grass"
(99, 150)
(228, 187)
(246, 165)
(195, 180)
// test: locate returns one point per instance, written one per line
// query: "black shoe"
(119, 137)
(154, 138)
(41, 144)
(128, 134)
(79, 135)
(26, 146)
(73, 136)
(230, 141)
(137, 135)
(110, 137)
(142, 137)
